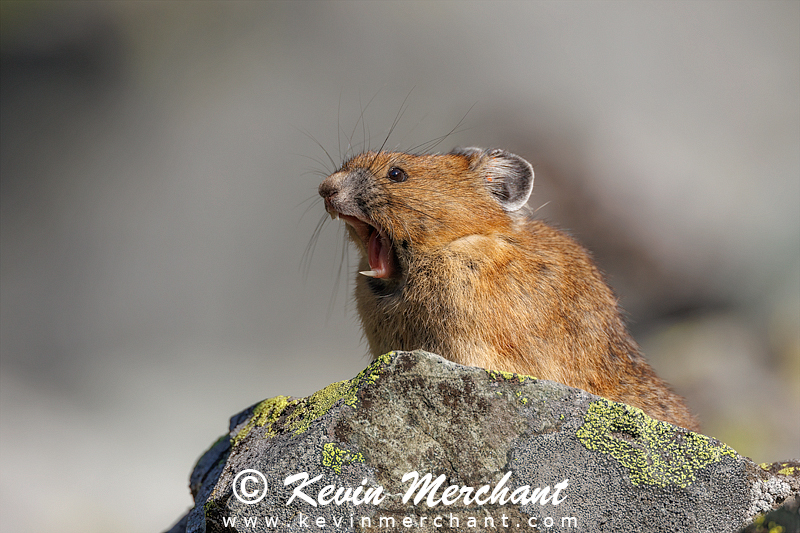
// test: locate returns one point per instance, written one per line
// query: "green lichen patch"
(791, 468)
(209, 507)
(301, 413)
(264, 414)
(370, 375)
(654, 452)
(335, 457)
(522, 399)
(315, 406)
(499, 375)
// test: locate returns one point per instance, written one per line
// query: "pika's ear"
(508, 176)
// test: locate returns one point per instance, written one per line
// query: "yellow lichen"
(264, 414)
(786, 469)
(653, 452)
(522, 399)
(307, 410)
(335, 457)
(508, 376)
(315, 406)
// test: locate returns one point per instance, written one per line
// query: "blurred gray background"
(159, 168)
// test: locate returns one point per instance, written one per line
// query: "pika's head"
(396, 204)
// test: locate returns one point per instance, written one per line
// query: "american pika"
(451, 263)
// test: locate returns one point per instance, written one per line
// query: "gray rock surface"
(536, 454)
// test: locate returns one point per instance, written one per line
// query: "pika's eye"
(397, 175)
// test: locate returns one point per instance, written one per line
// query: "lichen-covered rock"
(785, 519)
(504, 452)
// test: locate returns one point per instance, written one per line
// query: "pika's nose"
(328, 189)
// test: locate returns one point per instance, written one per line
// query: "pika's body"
(451, 263)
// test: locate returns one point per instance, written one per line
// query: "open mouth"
(378, 245)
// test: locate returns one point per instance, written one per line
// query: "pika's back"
(452, 264)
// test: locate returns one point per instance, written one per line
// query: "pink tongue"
(378, 255)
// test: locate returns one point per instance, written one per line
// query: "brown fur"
(486, 287)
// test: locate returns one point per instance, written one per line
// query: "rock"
(514, 454)
(787, 517)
